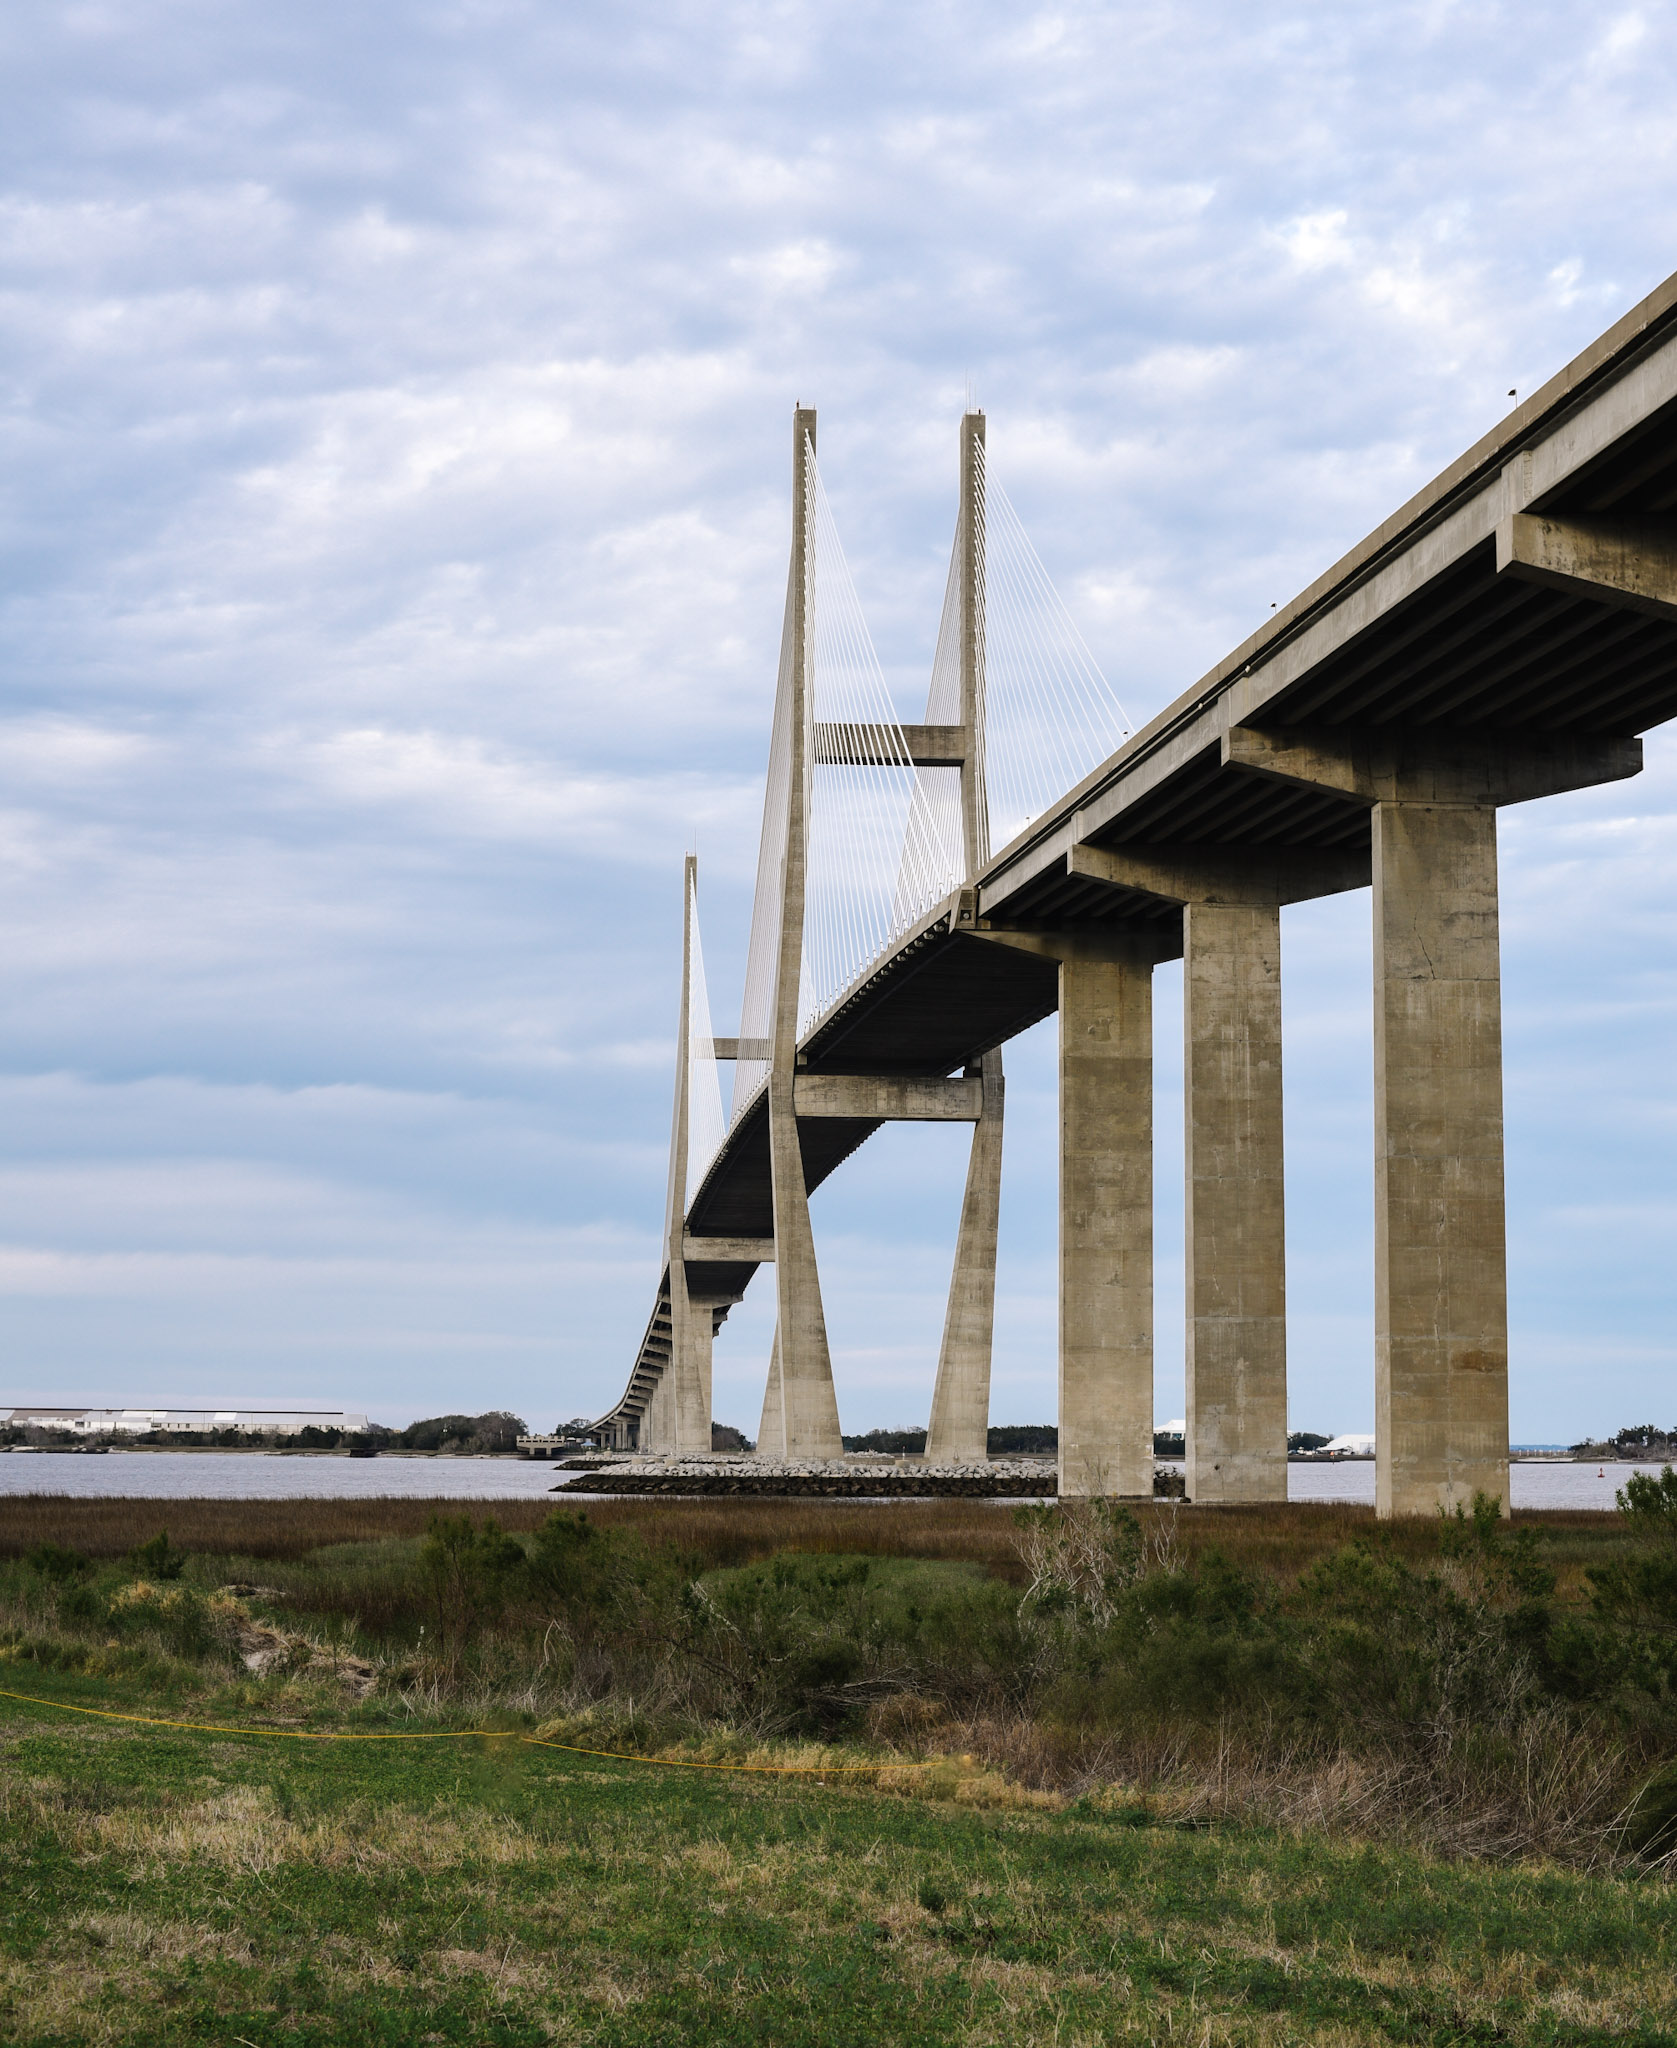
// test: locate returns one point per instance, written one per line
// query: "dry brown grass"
(718, 1531)
(1280, 1541)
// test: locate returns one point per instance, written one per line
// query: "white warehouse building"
(186, 1421)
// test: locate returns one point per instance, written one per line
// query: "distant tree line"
(459, 1435)
(1009, 1441)
(1022, 1439)
(456, 1435)
(1646, 1440)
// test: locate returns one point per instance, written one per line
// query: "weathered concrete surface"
(1106, 1220)
(809, 1419)
(808, 1404)
(1441, 1290)
(960, 1418)
(1235, 1232)
(771, 1428)
(678, 1418)
(903, 1098)
(1631, 562)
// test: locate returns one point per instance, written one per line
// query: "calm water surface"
(259, 1475)
(256, 1475)
(1535, 1485)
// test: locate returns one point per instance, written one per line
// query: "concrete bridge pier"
(677, 1415)
(959, 1427)
(771, 1429)
(1235, 1237)
(801, 1372)
(1441, 1286)
(1440, 1270)
(1106, 1217)
(958, 1433)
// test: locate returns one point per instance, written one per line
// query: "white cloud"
(394, 503)
(1318, 241)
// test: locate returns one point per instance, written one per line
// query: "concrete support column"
(1106, 1221)
(1235, 1236)
(1441, 1291)
(683, 1393)
(771, 1430)
(655, 1434)
(958, 1432)
(960, 1422)
(692, 1340)
(678, 1417)
(808, 1404)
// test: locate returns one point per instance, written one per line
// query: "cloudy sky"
(395, 404)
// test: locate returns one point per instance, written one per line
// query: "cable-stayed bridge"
(926, 891)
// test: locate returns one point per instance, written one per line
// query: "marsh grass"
(1293, 1666)
(1282, 1541)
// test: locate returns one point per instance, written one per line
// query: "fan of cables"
(1050, 716)
(706, 1124)
(885, 841)
(876, 860)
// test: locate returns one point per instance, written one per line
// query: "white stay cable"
(763, 952)
(942, 786)
(876, 860)
(885, 841)
(706, 1124)
(1050, 715)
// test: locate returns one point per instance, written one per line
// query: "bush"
(809, 1643)
(599, 1579)
(158, 1559)
(467, 1571)
(54, 1562)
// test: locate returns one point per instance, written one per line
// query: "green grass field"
(171, 1887)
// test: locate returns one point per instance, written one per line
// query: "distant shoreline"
(240, 1451)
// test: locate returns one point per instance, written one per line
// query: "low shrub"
(159, 1557)
(53, 1561)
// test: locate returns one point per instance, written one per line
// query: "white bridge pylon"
(868, 824)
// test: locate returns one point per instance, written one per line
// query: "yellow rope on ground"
(449, 1734)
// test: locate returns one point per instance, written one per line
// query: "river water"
(270, 1475)
(258, 1475)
